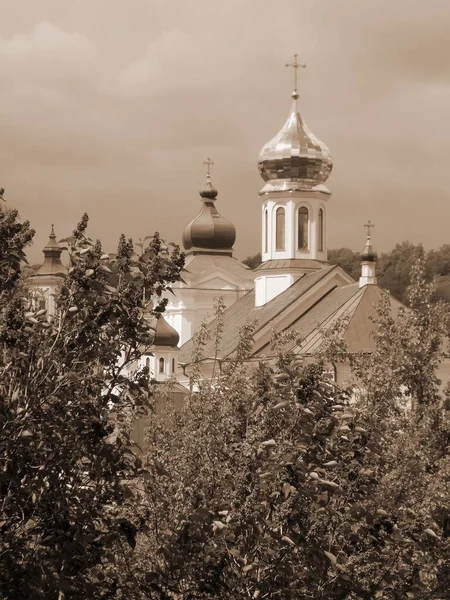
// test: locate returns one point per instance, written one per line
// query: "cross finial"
(209, 163)
(295, 65)
(368, 225)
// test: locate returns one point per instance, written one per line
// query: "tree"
(253, 261)
(67, 403)
(275, 483)
(347, 260)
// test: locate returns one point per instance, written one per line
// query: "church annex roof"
(198, 265)
(244, 311)
(357, 305)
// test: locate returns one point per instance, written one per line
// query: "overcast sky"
(111, 106)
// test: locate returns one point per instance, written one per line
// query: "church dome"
(368, 254)
(295, 158)
(165, 334)
(209, 232)
(52, 264)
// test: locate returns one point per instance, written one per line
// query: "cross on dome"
(209, 163)
(368, 225)
(295, 65)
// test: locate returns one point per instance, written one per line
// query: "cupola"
(165, 335)
(52, 264)
(368, 258)
(209, 232)
(295, 159)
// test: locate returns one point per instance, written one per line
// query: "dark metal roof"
(243, 311)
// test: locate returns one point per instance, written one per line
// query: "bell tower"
(295, 165)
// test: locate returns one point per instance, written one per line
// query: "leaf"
(247, 568)
(330, 463)
(431, 533)
(287, 540)
(281, 405)
(331, 557)
(26, 433)
(269, 443)
(330, 484)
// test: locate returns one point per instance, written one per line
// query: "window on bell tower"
(280, 219)
(161, 365)
(266, 230)
(303, 225)
(320, 231)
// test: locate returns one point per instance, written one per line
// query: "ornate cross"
(296, 66)
(209, 163)
(369, 225)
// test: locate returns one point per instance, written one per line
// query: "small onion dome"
(52, 264)
(209, 232)
(165, 334)
(368, 254)
(295, 154)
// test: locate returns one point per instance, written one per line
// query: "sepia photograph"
(225, 300)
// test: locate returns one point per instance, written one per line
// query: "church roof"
(52, 264)
(209, 232)
(295, 158)
(357, 305)
(244, 311)
(310, 321)
(197, 266)
(165, 334)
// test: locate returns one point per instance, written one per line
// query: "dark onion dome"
(209, 232)
(295, 158)
(52, 264)
(165, 334)
(368, 254)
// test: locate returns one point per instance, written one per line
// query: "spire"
(368, 258)
(52, 264)
(209, 232)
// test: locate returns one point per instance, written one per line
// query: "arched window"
(173, 366)
(303, 222)
(161, 365)
(266, 230)
(280, 242)
(320, 231)
(147, 363)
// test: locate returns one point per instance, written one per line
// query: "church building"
(293, 289)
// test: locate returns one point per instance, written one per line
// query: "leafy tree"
(14, 236)
(253, 261)
(347, 260)
(275, 483)
(68, 397)
(438, 261)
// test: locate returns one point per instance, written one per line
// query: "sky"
(111, 107)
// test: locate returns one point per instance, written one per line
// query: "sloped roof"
(357, 304)
(309, 325)
(244, 311)
(199, 264)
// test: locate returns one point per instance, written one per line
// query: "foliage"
(273, 483)
(68, 398)
(394, 267)
(14, 236)
(253, 261)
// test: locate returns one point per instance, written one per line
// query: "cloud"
(47, 54)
